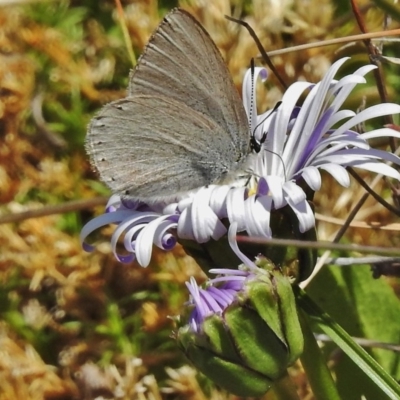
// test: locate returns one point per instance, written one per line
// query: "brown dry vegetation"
(75, 325)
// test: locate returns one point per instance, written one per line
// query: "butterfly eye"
(254, 145)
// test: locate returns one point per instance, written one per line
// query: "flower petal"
(304, 214)
(275, 184)
(379, 168)
(235, 207)
(312, 177)
(338, 172)
(249, 93)
(258, 213)
(378, 110)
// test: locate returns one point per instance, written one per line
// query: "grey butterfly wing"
(152, 147)
(182, 62)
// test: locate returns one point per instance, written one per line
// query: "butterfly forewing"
(182, 62)
(125, 136)
(182, 125)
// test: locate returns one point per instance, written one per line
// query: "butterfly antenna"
(253, 142)
(266, 117)
(260, 49)
(279, 156)
(252, 91)
(257, 146)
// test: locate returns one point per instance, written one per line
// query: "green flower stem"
(284, 389)
(318, 374)
(359, 356)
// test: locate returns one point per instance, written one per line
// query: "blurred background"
(75, 325)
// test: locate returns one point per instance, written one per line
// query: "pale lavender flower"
(295, 144)
(221, 291)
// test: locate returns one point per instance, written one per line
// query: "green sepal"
(237, 379)
(260, 349)
(219, 340)
(263, 298)
(289, 317)
(271, 295)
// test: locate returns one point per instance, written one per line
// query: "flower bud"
(243, 330)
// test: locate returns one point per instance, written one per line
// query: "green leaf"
(362, 306)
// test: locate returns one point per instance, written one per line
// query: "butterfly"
(182, 125)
